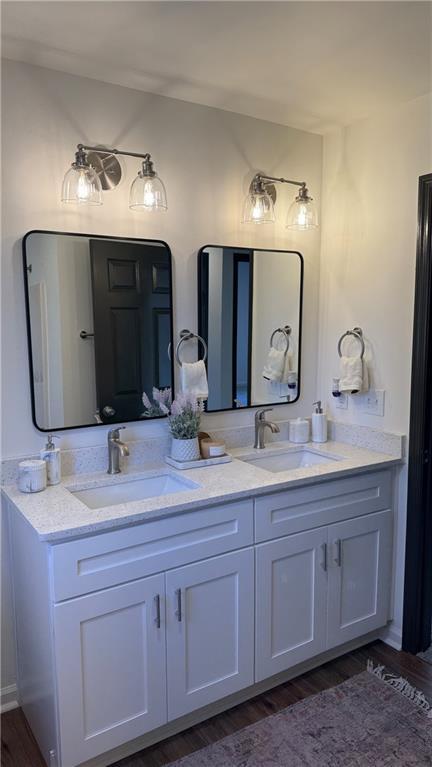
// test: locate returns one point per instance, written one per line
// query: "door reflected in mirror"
(249, 314)
(100, 326)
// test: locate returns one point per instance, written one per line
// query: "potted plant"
(184, 414)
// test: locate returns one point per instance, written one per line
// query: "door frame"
(417, 617)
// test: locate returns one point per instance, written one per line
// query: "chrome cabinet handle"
(178, 612)
(324, 559)
(157, 619)
(338, 557)
(108, 411)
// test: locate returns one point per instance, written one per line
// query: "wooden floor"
(19, 748)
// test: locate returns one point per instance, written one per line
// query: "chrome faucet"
(116, 448)
(260, 425)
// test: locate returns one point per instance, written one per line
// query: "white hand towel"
(351, 375)
(365, 386)
(288, 367)
(193, 378)
(274, 367)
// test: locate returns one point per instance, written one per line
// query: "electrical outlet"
(372, 402)
(342, 401)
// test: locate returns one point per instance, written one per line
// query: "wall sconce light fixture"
(96, 169)
(259, 204)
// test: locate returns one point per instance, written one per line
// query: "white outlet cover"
(342, 402)
(372, 402)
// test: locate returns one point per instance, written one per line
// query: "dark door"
(132, 324)
(242, 329)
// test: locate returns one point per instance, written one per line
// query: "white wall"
(206, 158)
(369, 222)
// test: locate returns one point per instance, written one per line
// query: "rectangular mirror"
(249, 314)
(99, 319)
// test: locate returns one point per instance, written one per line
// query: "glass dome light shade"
(302, 213)
(148, 193)
(258, 209)
(81, 185)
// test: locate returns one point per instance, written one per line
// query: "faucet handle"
(114, 433)
(259, 415)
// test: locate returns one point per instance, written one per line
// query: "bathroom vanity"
(136, 619)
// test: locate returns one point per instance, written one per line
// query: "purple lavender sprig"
(184, 412)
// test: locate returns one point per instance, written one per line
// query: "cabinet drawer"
(303, 508)
(89, 564)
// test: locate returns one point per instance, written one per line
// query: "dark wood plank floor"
(19, 748)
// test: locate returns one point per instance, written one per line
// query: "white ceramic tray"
(200, 463)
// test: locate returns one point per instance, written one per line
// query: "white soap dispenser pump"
(319, 423)
(51, 455)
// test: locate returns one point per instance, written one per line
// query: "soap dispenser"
(319, 424)
(51, 455)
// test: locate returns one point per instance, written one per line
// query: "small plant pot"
(185, 449)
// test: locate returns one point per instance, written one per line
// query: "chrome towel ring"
(358, 334)
(187, 335)
(286, 332)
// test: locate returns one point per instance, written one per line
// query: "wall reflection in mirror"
(100, 324)
(250, 316)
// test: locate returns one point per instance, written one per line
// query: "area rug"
(374, 719)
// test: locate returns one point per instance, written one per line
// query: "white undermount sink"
(290, 459)
(133, 490)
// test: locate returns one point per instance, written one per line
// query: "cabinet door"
(359, 576)
(210, 630)
(110, 660)
(291, 601)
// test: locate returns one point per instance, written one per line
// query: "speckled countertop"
(56, 514)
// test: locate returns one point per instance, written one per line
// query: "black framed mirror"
(99, 322)
(250, 316)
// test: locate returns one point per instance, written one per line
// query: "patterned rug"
(371, 720)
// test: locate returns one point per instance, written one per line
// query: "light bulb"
(84, 188)
(257, 210)
(149, 197)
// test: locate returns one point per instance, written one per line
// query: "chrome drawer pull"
(324, 559)
(178, 612)
(338, 557)
(157, 619)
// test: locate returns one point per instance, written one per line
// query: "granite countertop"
(57, 515)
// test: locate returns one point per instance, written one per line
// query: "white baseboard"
(392, 636)
(8, 698)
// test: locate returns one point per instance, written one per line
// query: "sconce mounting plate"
(107, 168)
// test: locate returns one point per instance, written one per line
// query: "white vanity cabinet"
(321, 588)
(291, 595)
(359, 576)
(210, 630)
(131, 657)
(110, 663)
(185, 615)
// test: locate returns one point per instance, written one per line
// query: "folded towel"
(275, 365)
(193, 379)
(351, 375)
(365, 386)
(288, 367)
